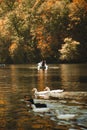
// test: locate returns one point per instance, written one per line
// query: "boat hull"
(42, 67)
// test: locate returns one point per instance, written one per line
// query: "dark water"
(18, 80)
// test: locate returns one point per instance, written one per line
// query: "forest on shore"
(54, 30)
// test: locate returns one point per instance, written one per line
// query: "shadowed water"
(18, 80)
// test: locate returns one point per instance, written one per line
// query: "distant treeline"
(31, 30)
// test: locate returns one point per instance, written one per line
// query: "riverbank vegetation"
(31, 30)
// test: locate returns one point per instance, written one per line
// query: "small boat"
(42, 66)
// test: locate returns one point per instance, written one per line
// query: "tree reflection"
(70, 77)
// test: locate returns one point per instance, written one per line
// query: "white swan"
(43, 96)
(64, 116)
(40, 93)
(53, 91)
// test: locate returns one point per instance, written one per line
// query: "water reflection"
(18, 80)
(71, 76)
(42, 79)
(3, 109)
(14, 78)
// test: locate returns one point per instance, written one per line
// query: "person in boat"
(43, 63)
(29, 100)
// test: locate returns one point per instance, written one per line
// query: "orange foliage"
(19, 1)
(49, 38)
(78, 1)
(81, 2)
(13, 47)
(43, 41)
(37, 1)
(1, 24)
(49, 4)
(43, 16)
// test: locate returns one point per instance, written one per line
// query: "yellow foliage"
(49, 4)
(13, 47)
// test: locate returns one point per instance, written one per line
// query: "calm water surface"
(18, 80)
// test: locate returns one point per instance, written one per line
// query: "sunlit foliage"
(69, 50)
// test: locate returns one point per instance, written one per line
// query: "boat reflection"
(42, 79)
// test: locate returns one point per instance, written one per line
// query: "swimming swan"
(43, 96)
(40, 93)
(64, 116)
(53, 91)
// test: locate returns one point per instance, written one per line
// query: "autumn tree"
(69, 51)
(31, 30)
(77, 24)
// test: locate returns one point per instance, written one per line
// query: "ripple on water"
(66, 107)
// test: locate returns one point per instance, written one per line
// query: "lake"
(16, 81)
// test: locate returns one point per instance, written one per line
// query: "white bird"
(64, 116)
(40, 93)
(53, 91)
(43, 96)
